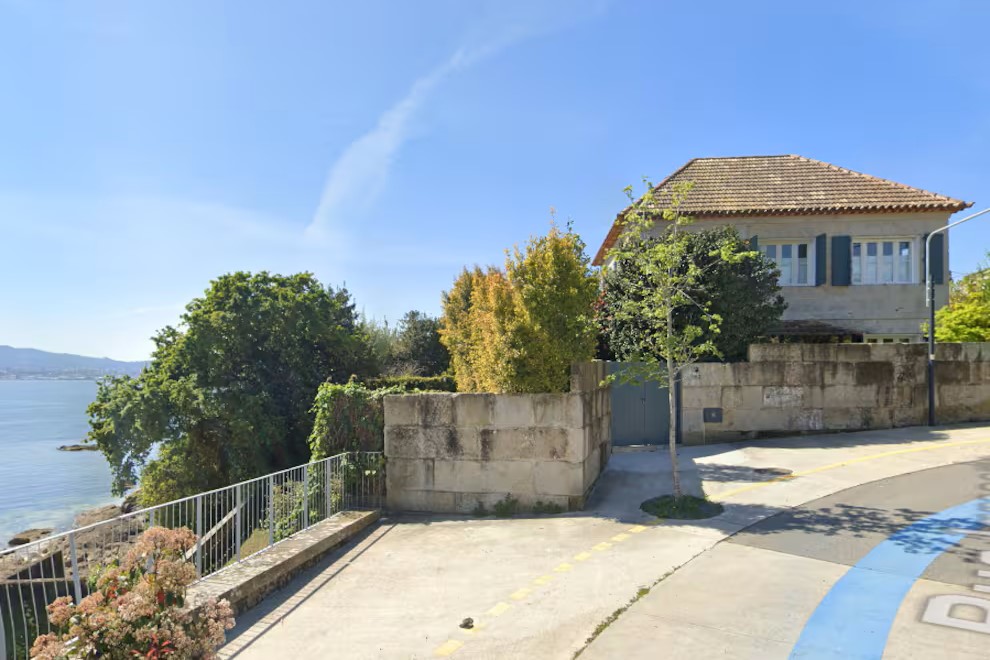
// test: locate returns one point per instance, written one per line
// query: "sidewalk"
(539, 586)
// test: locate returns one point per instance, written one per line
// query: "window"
(795, 261)
(890, 339)
(882, 261)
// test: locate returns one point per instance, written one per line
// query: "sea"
(39, 485)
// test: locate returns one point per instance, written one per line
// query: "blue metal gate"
(640, 412)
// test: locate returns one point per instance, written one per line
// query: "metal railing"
(230, 523)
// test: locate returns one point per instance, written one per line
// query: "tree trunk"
(675, 472)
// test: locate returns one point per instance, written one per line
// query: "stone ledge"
(247, 583)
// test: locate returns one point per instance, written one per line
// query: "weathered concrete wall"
(794, 388)
(451, 452)
(876, 308)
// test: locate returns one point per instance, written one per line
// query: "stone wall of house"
(887, 309)
(450, 453)
(797, 388)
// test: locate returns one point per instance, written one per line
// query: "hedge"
(413, 383)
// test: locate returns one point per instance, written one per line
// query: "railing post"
(199, 536)
(151, 518)
(237, 521)
(271, 510)
(74, 558)
(326, 469)
(305, 496)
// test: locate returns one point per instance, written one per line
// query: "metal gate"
(640, 412)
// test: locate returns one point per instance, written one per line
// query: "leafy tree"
(382, 340)
(555, 291)
(518, 330)
(967, 316)
(744, 293)
(418, 348)
(228, 393)
(667, 308)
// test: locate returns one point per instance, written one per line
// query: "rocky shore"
(78, 447)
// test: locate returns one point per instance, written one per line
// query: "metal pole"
(76, 579)
(237, 521)
(930, 302)
(271, 510)
(199, 536)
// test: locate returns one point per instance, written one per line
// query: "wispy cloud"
(360, 173)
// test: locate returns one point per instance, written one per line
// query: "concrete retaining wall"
(795, 388)
(448, 453)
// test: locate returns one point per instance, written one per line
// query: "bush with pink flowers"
(136, 608)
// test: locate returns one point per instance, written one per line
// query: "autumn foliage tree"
(519, 329)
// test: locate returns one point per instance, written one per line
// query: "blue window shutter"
(938, 259)
(754, 243)
(820, 260)
(841, 260)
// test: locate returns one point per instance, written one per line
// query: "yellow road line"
(562, 568)
(448, 647)
(636, 529)
(852, 461)
(619, 538)
(582, 556)
(602, 547)
(543, 579)
(499, 609)
(519, 594)
(478, 627)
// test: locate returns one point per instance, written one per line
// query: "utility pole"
(930, 303)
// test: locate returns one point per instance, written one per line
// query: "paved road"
(850, 575)
(538, 587)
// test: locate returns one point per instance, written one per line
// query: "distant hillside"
(32, 363)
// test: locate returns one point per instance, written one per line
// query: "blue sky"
(147, 147)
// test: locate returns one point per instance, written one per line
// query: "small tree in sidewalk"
(666, 302)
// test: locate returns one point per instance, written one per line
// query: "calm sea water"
(40, 486)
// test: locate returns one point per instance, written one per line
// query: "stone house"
(849, 246)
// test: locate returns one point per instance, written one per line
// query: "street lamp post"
(930, 303)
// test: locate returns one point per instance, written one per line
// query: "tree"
(519, 330)
(418, 348)
(967, 316)
(667, 307)
(228, 393)
(744, 293)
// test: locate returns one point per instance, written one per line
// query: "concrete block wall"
(809, 388)
(448, 453)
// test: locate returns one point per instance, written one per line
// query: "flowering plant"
(136, 608)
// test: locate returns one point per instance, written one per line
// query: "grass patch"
(547, 507)
(601, 627)
(685, 507)
(506, 507)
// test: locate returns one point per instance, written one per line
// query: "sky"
(149, 147)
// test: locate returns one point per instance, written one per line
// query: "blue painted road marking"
(854, 618)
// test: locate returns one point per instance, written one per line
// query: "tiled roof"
(787, 185)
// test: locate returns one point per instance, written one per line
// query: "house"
(849, 246)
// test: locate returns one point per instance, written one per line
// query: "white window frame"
(880, 240)
(890, 339)
(794, 242)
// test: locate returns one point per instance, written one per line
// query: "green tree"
(967, 316)
(744, 293)
(519, 330)
(668, 302)
(418, 349)
(228, 393)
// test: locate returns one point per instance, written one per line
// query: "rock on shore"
(29, 535)
(78, 448)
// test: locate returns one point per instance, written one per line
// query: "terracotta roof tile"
(788, 185)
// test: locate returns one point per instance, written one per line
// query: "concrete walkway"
(539, 586)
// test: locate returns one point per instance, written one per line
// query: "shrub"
(413, 383)
(519, 330)
(348, 418)
(136, 608)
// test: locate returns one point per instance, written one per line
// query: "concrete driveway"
(540, 586)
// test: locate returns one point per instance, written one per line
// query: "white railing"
(230, 523)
